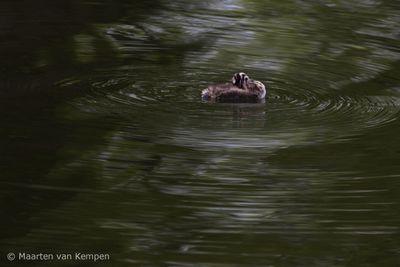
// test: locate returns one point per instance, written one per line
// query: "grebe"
(242, 89)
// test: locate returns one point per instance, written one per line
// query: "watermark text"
(75, 256)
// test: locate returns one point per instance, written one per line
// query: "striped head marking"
(240, 79)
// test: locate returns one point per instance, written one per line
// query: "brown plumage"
(241, 90)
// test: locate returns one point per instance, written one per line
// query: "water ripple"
(291, 114)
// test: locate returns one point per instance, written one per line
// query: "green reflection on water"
(106, 146)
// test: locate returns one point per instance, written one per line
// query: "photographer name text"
(76, 256)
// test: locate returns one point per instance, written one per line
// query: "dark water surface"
(106, 146)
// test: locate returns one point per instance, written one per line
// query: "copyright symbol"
(11, 256)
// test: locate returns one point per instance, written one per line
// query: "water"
(106, 146)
